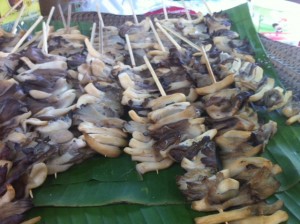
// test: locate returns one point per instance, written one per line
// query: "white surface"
(122, 7)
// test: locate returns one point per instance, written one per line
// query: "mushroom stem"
(145, 167)
(8, 196)
(293, 119)
(224, 216)
(33, 220)
(104, 149)
(228, 80)
(36, 177)
(135, 117)
(276, 218)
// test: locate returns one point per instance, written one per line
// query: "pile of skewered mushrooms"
(188, 86)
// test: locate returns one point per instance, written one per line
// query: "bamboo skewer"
(210, 71)
(45, 47)
(99, 15)
(157, 36)
(29, 31)
(11, 10)
(207, 7)
(186, 10)
(92, 39)
(215, 86)
(69, 17)
(45, 37)
(169, 37)
(156, 80)
(50, 17)
(62, 16)
(133, 12)
(130, 50)
(100, 33)
(100, 38)
(165, 10)
(14, 29)
(182, 38)
(35, 38)
(201, 49)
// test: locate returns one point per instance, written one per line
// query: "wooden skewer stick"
(14, 29)
(99, 15)
(182, 38)
(186, 10)
(157, 82)
(133, 12)
(157, 36)
(207, 7)
(210, 71)
(69, 17)
(130, 50)
(100, 38)
(62, 16)
(11, 10)
(35, 38)
(93, 33)
(169, 37)
(45, 37)
(50, 17)
(100, 33)
(165, 10)
(29, 31)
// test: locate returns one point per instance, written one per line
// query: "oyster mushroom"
(37, 177)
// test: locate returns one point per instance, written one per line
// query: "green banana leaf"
(102, 190)
(98, 168)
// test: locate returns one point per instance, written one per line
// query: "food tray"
(103, 190)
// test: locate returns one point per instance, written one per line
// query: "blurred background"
(275, 19)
